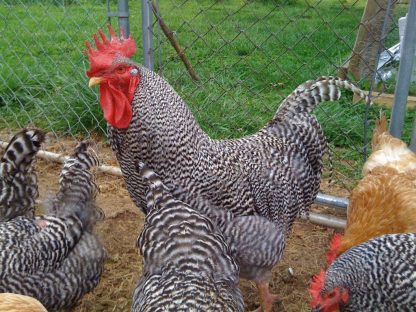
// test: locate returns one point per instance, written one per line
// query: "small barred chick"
(187, 263)
(56, 258)
(19, 303)
(376, 276)
(18, 180)
(256, 243)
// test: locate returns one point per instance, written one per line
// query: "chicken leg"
(266, 298)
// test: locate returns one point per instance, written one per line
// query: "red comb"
(330, 302)
(108, 49)
(334, 246)
(318, 282)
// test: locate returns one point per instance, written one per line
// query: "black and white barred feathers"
(376, 276)
(256, 243)
(18, 180)
(274, 173)
(55, 258)
(187, 264)
(77, 192)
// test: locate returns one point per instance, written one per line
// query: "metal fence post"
(147, 23)
(407, 56)
(123, 16)
(413, 141)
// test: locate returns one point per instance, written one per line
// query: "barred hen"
(18, 180)
(274, 173)
(187, 264)
(55, 258)
(376, 276)
(256, 243)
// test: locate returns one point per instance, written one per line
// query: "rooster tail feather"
(309, 94)
(379, 128)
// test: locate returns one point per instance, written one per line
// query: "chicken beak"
(94, 81)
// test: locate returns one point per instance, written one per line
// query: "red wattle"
(116, 104)
(317, 283)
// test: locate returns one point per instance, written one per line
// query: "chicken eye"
(120, 70)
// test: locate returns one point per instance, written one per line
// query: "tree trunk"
(364, 56)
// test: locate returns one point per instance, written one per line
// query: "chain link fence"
(245, 56)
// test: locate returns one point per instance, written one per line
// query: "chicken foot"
(266, 298)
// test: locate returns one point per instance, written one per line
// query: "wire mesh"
(43, 79)
(248, 54)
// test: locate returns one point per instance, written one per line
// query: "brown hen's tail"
(379, 128)
(388, 151)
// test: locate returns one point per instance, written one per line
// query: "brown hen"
(19, 303)
(384, 201)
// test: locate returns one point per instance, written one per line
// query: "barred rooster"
(55, 258)
(18, 180)
(187, 264)
(376, 276)
(274, 173)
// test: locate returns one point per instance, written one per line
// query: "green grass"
(42, 78)
(248, 54)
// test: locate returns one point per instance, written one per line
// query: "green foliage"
(52, 2)
(249, 56)
(61, 104)
(42, 80)
(47, 2)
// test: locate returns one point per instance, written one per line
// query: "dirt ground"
(305, 251)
